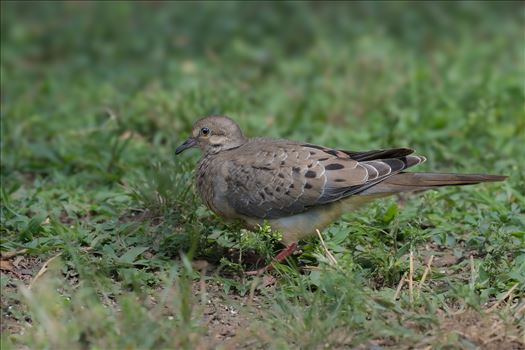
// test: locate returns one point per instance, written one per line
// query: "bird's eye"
(205, 131)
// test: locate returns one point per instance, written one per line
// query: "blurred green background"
(445, 78)
(95, 96)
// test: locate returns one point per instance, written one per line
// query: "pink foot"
(286, 252)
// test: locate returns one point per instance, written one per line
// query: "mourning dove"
(298, 187)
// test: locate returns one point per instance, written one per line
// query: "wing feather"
(287, 178)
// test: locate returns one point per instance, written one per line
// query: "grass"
(106, 246)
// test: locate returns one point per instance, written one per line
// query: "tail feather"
(405, 182)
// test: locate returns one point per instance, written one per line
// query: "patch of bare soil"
(16, 269)
(228, 317)
(468, 329)
(486, 330)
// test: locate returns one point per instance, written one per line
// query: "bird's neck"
(214, 149)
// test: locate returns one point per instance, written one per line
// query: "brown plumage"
(299, 187)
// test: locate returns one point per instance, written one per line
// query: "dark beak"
(189, 143)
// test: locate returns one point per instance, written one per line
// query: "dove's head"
(213, 134)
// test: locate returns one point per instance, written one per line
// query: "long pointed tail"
(404, 182)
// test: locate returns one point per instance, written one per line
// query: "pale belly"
(304, 225)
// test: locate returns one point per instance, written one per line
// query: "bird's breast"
(212, 186)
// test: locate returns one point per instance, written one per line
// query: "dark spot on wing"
(323, 159)
(312, 153)
(334, 166)
(339, 180)
(332, 152)
(310, 174)
(262, 167)
(296, 169)
(314, 146)
(281, 176)
(307, 185)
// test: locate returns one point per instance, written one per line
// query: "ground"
(105, 244)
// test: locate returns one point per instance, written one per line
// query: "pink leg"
(286, 252)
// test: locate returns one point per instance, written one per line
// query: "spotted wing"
(283, 178)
